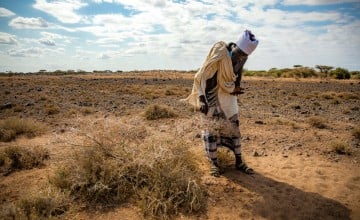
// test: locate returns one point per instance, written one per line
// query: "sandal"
(214, 171)
(244, 168)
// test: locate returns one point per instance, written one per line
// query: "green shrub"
(13, 127)
(155, 112)
(355, 74)
(340, 73)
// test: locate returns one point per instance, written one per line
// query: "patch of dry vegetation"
(13, 127)
(340, 147)
(14, 158)
(46, 205)
(155, 112)
(317, 122)
(161, 178)
(356, 133)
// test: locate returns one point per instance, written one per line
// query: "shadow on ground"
(283, 201)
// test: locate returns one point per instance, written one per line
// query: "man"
(214, 92)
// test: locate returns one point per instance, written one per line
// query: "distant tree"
(297, 66)
(272, 69)
(340, 73)
(324, 69)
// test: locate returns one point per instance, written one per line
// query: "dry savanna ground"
(123, 146)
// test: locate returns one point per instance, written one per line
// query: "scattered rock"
(246, 138)
(29, 104)
(87, 104)
(6, 106)
(259, 153)
(259, 122)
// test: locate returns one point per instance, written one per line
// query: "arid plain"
(301, 136)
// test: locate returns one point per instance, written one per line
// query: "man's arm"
(238, 59)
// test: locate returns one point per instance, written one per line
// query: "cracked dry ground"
(299, 175)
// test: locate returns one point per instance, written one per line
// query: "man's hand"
(204, 108)
(237, 91)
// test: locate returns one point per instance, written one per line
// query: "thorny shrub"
(161, 177)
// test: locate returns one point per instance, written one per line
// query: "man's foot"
(215, 170)
(244, 168)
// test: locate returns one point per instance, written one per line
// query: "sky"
(174, 34)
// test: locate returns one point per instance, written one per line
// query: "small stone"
(6, 106)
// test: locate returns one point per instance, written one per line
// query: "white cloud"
(63, 10)
(83, 54)
(156, 33)
(316, 2)
(52, 35)
(6, 38)
(47, 42)
(6, 13)
(28, 23)
(28, 52)
(104, 56)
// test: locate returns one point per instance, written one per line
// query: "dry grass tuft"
(13, 127)
(46, 205)
(317, 122)
(340, 147)
(162, 178)
(155, 112)
(356, 133)
(348, 95)
(14, 158)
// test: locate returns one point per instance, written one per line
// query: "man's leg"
(239, 163)
(234, 143)
(210, 145)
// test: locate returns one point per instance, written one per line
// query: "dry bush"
(13, 127)
(317, 122)
(283, 121)
(52, 110)
(155, 112)
(340, 147)
(348, 95)
(328, 95)
(16, 158)
(45, 205)
(162, 178)
(356, 133)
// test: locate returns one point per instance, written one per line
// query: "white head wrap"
(247, 42)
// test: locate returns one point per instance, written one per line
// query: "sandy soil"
(298, 173)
